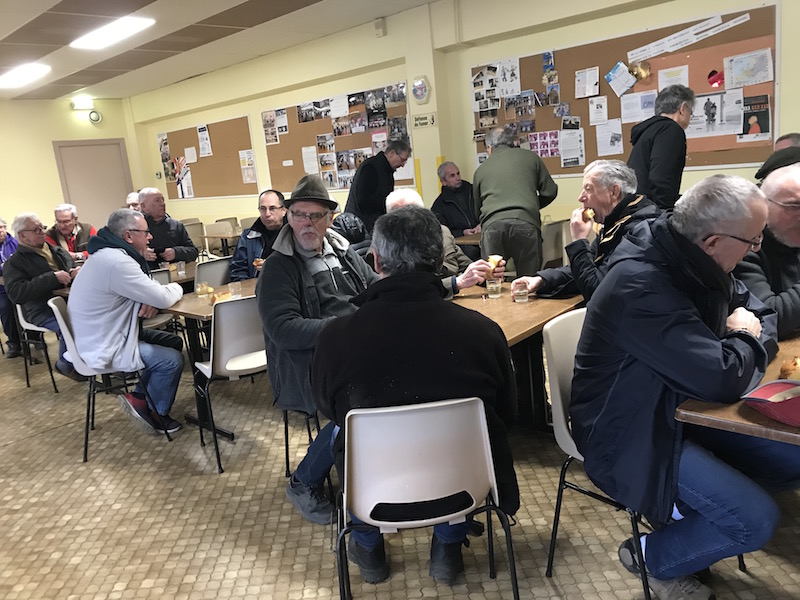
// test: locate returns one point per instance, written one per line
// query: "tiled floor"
(146, 519)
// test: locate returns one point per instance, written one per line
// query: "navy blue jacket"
(654, 336)
(255, 242)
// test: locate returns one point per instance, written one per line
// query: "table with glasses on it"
(740, 418)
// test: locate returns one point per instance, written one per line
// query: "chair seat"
(247, 364)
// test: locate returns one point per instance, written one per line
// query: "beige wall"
(441, 41)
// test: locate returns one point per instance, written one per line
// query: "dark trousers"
(9, 319)
(517, 239)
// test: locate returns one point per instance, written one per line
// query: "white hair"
(403, 197)
(70, 207)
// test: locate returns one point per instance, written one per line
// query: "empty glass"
(493, 287)
(235, 288)
(181, 268)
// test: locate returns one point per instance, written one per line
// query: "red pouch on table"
(779, 400)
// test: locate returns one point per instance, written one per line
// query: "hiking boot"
(371, 563)
(687, 587)
(311, 501)
(137, 409)
(165, 422)
(13, 350)
(446, 561)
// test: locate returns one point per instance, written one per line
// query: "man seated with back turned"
(69, 233)
(307, 281)
(407, 345)
(454, 206)
(668, 323)
(170, 241)
(33, 273)
(110, 295)
(457, 271)
(773, 272)
(609, 190)
(255, 243)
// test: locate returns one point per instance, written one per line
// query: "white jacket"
(104, 305)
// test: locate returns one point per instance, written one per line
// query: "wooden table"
(740, 418)
(191, 267)
(224, 238)
(522, 325)
(473, 239)
(197, 310)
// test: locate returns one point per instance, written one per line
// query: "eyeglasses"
(754, 244)
(39, 229)
(271, 209)
(145, 231)
(786, 205)
(315, 217)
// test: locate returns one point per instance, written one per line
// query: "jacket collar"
(418, 286)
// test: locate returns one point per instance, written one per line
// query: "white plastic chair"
(232, 220)
(190, 220)
(237, 350)
(416, 466)
(26, 340)
(161, 320)
(59, 307)
(222, 228)
(214, 272)
(195, 232)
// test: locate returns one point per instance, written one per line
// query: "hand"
(150, 255)
(77, 255)
(168, 254)
(475, 273)
(743, 319)
(476, 229)
(499, 270)
(63, 277)
(73, 272)
(531, 284)
(578, 228)
(147, 311)
(258, 267)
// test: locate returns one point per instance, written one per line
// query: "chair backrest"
(561, 337)
(219, 228)
(23, 322)
(190, 220)
(235, 331)
(214, 273)
(162, 276)
(59, 307)
(232, 220)
(195, 231)
(402, 462)
(552, 244)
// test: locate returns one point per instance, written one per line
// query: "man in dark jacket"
(31, 276)
(8, 245)
(454, 206)
(773, 272)
(609, 188)
(659, 146)
(307, 281)
(667, 323)
(255, 243)
(170, 241)
(374, 180)
(508, 189)
(407, 345)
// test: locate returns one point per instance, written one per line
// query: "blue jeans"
(725, 513)
(163, 364)
(447, 534)
(52, 325)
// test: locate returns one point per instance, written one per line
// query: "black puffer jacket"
(455, 209)
(658, 157)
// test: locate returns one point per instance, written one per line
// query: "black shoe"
(446, 561)
(67, 370)
(13, 350)
(311, 501)
(165, 422)
(371, 563)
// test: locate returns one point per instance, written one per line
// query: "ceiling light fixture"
(114, 32)
(82, 103)
(23, 75)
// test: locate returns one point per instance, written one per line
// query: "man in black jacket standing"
(454, 206)
(170, 242)
(659, 146)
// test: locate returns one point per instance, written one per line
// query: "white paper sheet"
(281, 122)
(406, 171)
(673, 76)
(673, 42)
(508, 82)
(638, 106)
(748, 69)
(598, 110)
(185, 188)
(204, 141)
(190, 154)
(339, 106)
(619, 79)
(571, 147)
(718, 113)
(609, 138)
(587, 82)
(310, 160)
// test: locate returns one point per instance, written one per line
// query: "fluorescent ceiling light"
(82, 103)
(23, 75)
(112, 33)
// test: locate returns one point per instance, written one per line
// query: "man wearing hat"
(308, 280)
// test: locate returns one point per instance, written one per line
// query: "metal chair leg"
(742, 566)
(89, 404)
(211, 425)
(637, 542)
(286, 439)
(559, 497)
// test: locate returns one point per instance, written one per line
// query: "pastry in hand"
(789, 368)
(494, 260)
(588, 215)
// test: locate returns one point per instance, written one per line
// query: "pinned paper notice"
(205, 140)
(310, 160)
(619, 79)
(190, 154)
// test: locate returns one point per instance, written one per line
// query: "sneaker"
(13, 350)
(446, 561)
(687, 587)
(311, 501)
(67, 370)
(371, 563)
(163, 422)
(137, 409)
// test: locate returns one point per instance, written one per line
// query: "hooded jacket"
(654, 336)
(373, 181)
(658, 157)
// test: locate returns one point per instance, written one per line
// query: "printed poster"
(204, 141)
(609, 138)
(757, 119)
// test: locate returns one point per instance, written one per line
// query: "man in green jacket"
(509, 188)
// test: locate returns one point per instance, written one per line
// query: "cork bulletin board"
(341, 144)
(221, 173)
(755, 33)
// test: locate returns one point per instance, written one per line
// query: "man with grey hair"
(508, 189)
(659, 146)
(132, 201)
(33, 273)
(69, 233)
(608, 196)
(109, 297)
(374, 180)
(667, 323)
(772, 272)
(404, 326)
(170, 241)
(454, 208)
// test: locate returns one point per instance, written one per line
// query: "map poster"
(748, 69)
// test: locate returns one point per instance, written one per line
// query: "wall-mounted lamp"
(82, 103)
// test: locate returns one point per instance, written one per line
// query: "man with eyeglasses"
(772, 270)
(308, 280)
(669, 322)
(109, 298)
(374, 180)
(69, 233)
(659, 146)
(255, 243)
(33, 273)
(171, 241)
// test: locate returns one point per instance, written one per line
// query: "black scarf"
(106, 239)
